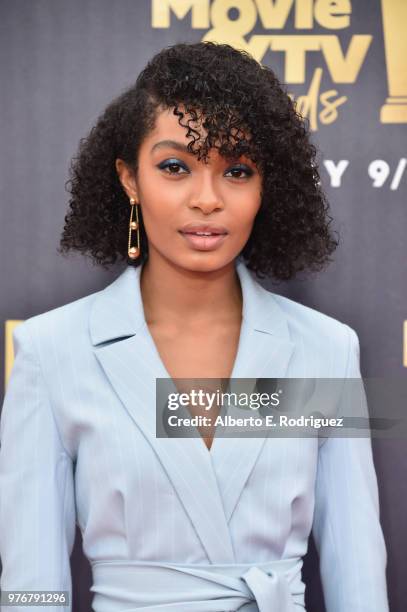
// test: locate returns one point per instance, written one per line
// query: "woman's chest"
(130, 481)
(160, 484)
(206, 352)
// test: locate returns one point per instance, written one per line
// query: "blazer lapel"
(208, 484)
(264, 351)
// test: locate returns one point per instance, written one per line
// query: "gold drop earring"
(134, 251)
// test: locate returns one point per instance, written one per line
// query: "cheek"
(245, 210)
(157, 216)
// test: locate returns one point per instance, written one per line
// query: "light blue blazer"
(167, 524)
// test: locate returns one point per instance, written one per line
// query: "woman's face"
(180, 196)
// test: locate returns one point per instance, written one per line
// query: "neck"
(176, 295)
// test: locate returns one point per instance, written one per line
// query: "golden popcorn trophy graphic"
(394, 14)
(10, 324)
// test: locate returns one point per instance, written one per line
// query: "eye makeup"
(174, 162)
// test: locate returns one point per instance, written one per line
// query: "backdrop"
(345, 64)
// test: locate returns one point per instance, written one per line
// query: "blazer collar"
(208, 484)
(117, 310)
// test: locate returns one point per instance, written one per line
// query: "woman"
(200, 176)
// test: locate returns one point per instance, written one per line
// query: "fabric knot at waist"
(140, 586)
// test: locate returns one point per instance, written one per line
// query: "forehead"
(167, 127)
(168, 123)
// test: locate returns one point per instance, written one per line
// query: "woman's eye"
(245, 169)
(172, 165)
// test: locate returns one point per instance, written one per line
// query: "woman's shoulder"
(284, 314)
(298, 312)
(59, 323)
(316, 329)
(321, 339)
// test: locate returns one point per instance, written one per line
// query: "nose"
(206, 197)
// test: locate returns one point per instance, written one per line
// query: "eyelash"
(173, 162)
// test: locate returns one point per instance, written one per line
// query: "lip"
(204, 243)
(203, 227)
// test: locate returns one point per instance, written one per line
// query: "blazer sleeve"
(37, 508)
(346, 524)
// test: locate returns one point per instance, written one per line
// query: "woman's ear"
(127, 179)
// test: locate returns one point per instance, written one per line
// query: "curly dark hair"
(245, 110)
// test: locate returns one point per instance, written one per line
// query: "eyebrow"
(174, 144)
(178, 146)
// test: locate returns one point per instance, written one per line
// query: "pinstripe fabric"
(78, 444)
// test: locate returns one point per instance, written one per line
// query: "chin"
(207, 262)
